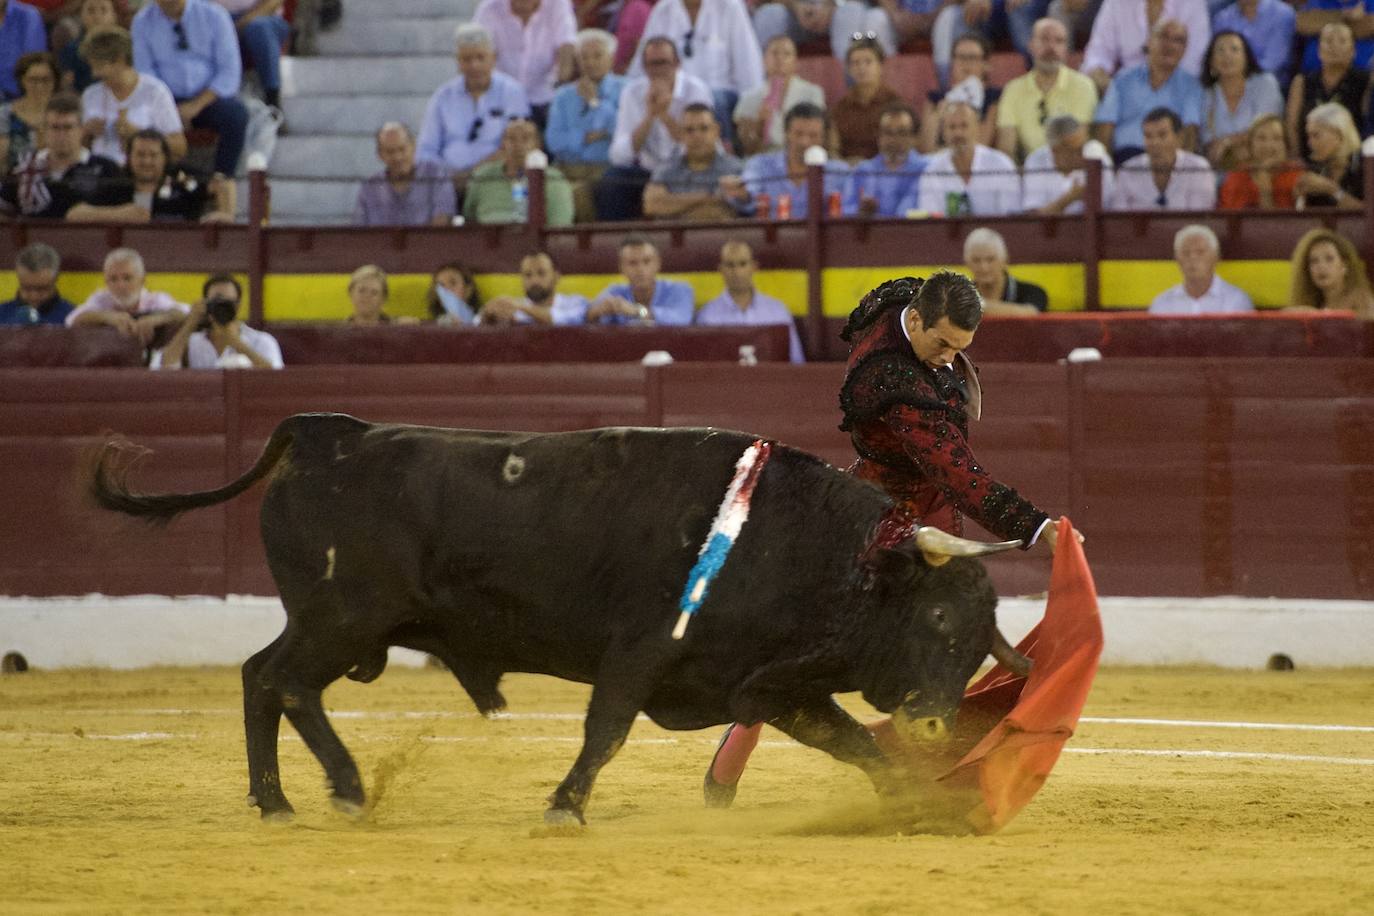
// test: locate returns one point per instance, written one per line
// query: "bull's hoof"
(718, 794)
(354, 810)
(561, 820)
(279, 816)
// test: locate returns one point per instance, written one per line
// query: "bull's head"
(946, 626)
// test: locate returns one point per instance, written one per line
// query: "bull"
(566, 555)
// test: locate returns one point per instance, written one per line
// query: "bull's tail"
(111, 463)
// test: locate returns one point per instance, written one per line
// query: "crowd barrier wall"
(1190, 477)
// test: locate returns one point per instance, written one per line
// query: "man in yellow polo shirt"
(1050, 89)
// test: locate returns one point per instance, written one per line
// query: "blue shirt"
(893, 189)
(54, 311)
(571, 119)
(766, 173)
(673, 302)
(763, 310)
(1130, 97)
(210, 59)
(1364, 47)
(1270, 34)
(452, 115)
(21, 33)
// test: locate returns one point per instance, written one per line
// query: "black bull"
(566, 554)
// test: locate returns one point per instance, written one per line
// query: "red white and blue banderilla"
(730, 518)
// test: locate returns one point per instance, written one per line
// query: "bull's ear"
(895, 565)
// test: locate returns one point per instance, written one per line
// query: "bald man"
(404, 192)
(742, 303)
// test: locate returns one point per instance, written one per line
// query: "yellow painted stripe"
(78, 285)
(1134, 284)
(843, 287)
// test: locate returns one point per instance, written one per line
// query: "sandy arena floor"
(123, 792)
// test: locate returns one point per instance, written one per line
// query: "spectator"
(153, 189)
(742, 303)
(212, 337)
(1328, 273)
(781, 176)
(50, 181)
(1165, 175)
(716, 44)
(1202, 292)
(693, 185)
(1268, 178)
(452, 296)
(1237, 93)
(967, 178)
(1078, 16)
(628, 24)
(1158, 83)
(38, 301)
(1335, 168)
(405, 192)
(1338, 79)
(21, 32)
(854, 124)
(466, 117)
(1316, 15)
(887, 184)
(758, 116)
(985, 256)
(841, 21)
(582, 119)
(1267, 26)
(125, 304)
(191, 46)
(533, 40)
(968, 85)
(368, 290)
(262, 32)
(980, 20)
(1123, 31)
(37, 76)
(95, 14)
(1051, 89)
(644, 298)
(1055, 175)
(647, 132)
(542, 303)
(499, 191)
(123, 101)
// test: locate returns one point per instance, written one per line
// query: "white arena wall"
(142, 631)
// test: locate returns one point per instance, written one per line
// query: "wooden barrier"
(1190, 477)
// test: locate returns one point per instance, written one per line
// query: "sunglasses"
(864, 36)
(687, 43)
(475, 130)
(1161, 200)
(1044, 111)
(182, 43)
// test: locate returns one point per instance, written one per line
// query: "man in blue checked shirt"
(782, 175)
(192, 46)
(467, 116)
(644, 299)
(887, 184)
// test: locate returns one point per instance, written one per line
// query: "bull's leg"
(822, 724)
(305, 711)
(261, 720)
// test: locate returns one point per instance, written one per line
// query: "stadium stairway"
(381, 64)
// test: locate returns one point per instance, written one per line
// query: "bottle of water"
(520, 198)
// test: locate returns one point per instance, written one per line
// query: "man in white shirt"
(533, 40)
(741, 303)
(967, 178)
(716, 43)
(212, 337)
(647, 129)
(1165, 176)
(1202, 292)
(1056, 173)
(542, 303)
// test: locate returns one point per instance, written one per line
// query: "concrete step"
(358, 115)
(307, 76)
(324, 157)
(401, 37)
(313, 201)
(405, 9)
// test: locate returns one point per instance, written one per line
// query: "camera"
(222, 310)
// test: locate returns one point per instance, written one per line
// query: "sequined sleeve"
(937, 445)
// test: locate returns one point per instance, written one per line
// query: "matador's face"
(937, 345)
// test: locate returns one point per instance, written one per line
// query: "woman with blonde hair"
(1268, 178)
(1328, 273)
(1335, 171)
(367, 289)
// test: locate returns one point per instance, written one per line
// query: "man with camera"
(212, 337)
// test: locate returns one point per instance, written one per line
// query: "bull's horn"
(938, 546)
(1008, 657)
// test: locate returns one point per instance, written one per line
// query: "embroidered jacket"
(909, 425)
